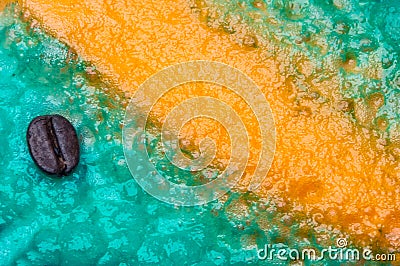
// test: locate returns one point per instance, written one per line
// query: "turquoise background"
(99, 215)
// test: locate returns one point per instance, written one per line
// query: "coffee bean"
(53, 144)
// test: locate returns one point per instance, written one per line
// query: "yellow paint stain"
(325, 166)
(4, 3)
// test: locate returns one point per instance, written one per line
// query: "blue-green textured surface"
(99, 215)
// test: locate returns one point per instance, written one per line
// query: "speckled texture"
(99, 215)
(327, 168)
(357, 41)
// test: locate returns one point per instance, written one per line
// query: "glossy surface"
(53, 144)
(354, 41)
(98, 215)
(326, 166)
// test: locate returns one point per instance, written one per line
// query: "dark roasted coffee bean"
(53, 144)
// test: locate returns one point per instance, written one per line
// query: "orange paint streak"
(324, 164)
(4, 3)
